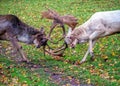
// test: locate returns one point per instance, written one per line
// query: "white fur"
(99, 25)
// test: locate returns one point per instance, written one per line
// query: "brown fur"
(14, 30)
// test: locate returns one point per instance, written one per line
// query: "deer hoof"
(92, 54)
(92, 58)
(81, 62)
(25, 60)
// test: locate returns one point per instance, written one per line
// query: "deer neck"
(83, 35)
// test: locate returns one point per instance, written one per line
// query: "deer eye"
(70, 37)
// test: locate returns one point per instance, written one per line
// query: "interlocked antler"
(49, 14)
(69, 20)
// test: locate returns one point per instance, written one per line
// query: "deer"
(100, 24)
(60, 20)
(14, 30)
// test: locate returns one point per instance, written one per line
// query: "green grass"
(98, 72)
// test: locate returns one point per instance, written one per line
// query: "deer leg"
(91, 45)
(92, 37)
(13, 40)
(91, 48)
(86, 54)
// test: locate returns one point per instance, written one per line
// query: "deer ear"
(42, 30)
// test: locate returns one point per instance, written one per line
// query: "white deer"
(100, 24)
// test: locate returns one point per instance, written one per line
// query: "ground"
(60, 71)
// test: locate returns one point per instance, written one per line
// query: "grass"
(98, 72)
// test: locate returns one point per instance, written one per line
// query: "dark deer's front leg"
(15, 44)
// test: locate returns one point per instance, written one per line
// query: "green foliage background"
(98, 73)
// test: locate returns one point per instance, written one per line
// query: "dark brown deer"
(14, 30)
(69, 20)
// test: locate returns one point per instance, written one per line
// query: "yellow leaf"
(1, 66)
(69, 77)
(24, 84)
(104, 57)
(88, 81)
(68, 84)
(113, 53)
(100, 64)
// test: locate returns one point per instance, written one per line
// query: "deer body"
(100, 24)
(14, 30)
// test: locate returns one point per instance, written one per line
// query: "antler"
(56, 52)
(49, 14)
(69, 20)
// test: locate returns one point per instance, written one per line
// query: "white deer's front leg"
(85, 56)
(93, 37)
(88, 51)
(91, 48)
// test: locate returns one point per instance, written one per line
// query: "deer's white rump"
(100, 24)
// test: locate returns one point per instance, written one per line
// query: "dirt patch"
(64, 80)
(59, 78)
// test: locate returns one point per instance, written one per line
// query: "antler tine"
(53, 12)
(55, 54)
(58, 52)
(70, 20)
(63, 47)
(46, 14)
(49, 14)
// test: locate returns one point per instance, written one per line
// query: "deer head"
(40, 38)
